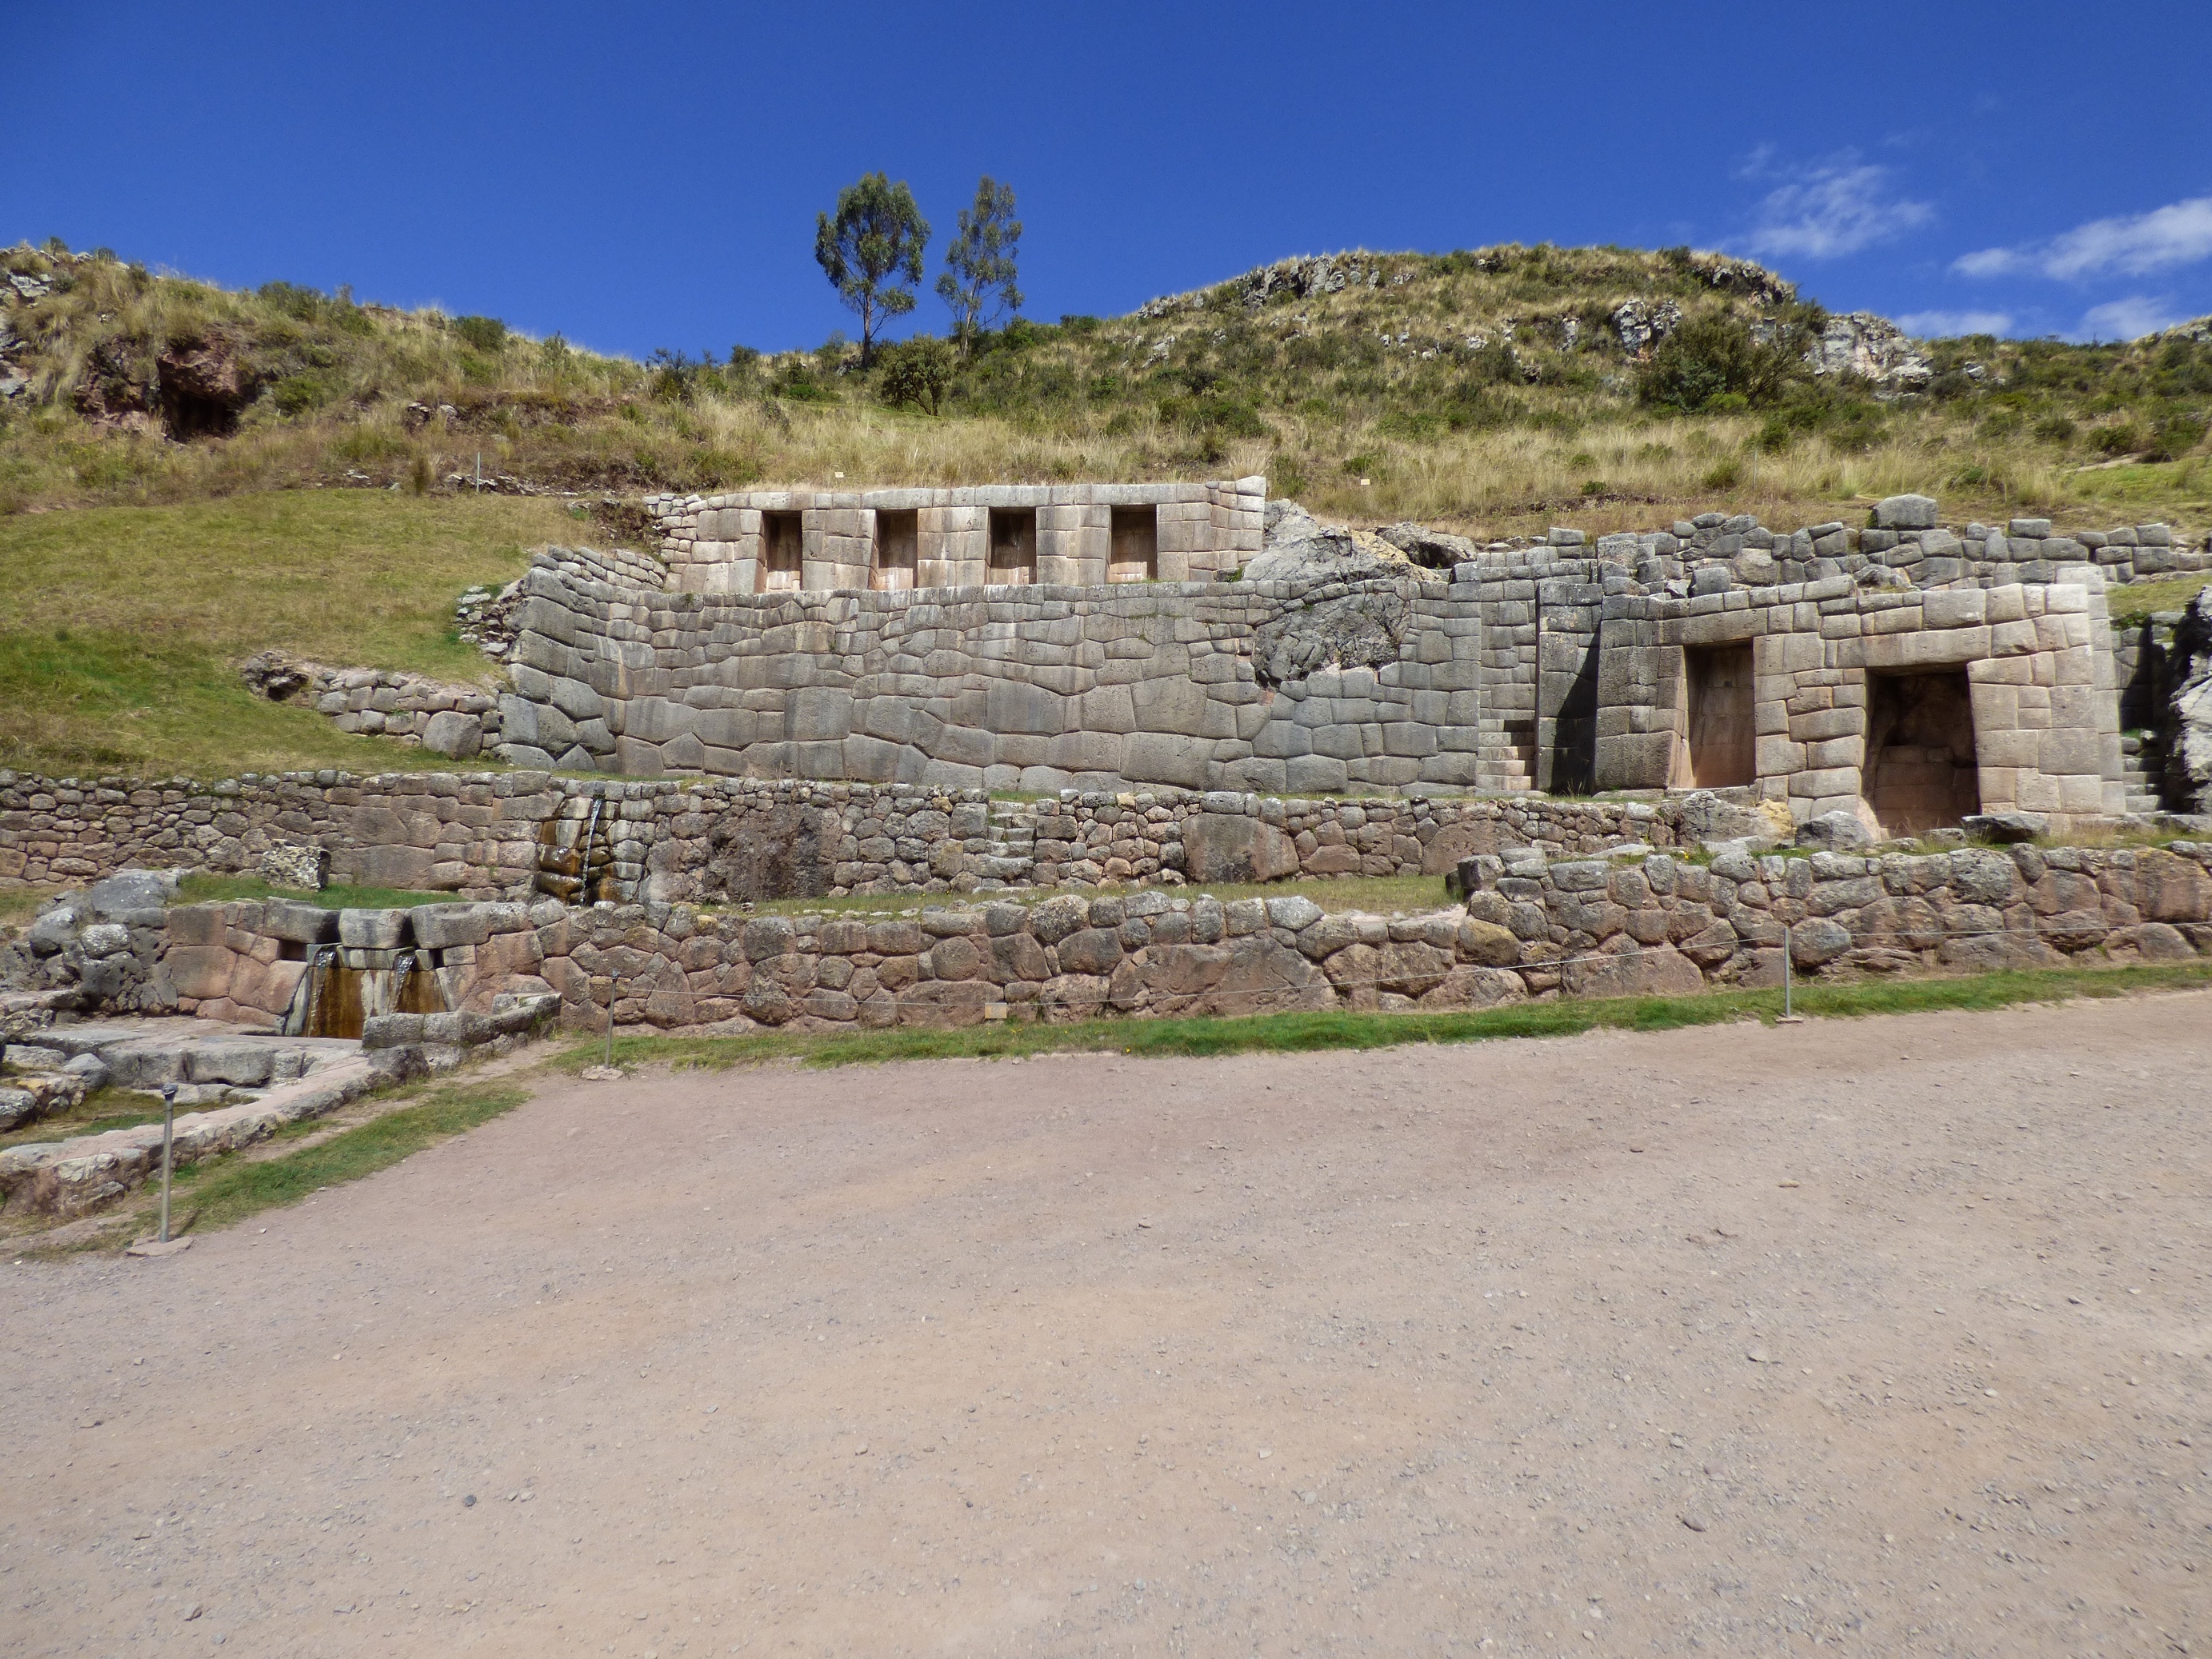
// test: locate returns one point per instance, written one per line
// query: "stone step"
(68, 1177)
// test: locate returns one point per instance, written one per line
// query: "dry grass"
(1375, 381)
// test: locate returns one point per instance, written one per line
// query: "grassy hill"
(121, 627)
(1492, 389)
(188, 474)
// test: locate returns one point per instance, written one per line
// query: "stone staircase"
(2142, 769)
(1506, 763)
(1011, 854)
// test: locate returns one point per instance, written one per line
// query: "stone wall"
(2038, 661)
(1600, 928)
(1530, 927)
(1276, 687)
(456, 721)
(515, 836)
(714, 544)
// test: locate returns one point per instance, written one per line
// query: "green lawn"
(121, 627)
(212, 890)
(2133, 603)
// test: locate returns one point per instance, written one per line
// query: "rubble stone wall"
(512, 836)
(1530, 927)
(1594, 927)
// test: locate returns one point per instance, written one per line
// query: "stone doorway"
(1135, 546)
(1921, 770)
(783, 554)
(1013, 544)
(898, 545)
(1718, 747)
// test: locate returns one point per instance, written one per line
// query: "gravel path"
(1890, 1334)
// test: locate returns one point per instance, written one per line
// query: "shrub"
(1714, 358)
(916, 372)
(794, 379)
(1493, 364)
(1214, 415)
(484, 333)
(2178, 433)
(1723, 474)
(297, 394)
(292, 299)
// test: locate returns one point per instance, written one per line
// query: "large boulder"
(1358, 630)
(1433, 550)
(770, 853)
(1228, 846)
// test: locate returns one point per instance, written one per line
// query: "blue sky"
(648, 175)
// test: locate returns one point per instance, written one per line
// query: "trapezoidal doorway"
(1133, 545)
(898, 543)
(1718, 748)
(782, 555)
(1920, 766)
(1013, 544)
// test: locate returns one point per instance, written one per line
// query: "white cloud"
(2127, 319)
(1950, 325)
(2178, 233)
(1830, 212)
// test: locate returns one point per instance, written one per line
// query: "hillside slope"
(1496, 389)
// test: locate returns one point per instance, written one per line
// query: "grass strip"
(231, 1190)
(215, 889)
(1300, 1033)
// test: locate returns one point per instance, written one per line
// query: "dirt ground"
(1888, 1334)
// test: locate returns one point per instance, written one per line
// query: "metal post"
(1788, 1008)
(168, 1148)
(610, 1022)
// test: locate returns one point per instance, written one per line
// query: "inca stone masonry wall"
(1621, 928)
(714, 543)
(1556, 668)
(518, 834)
(2038, 660)
(1530, 929)
(1279, 688)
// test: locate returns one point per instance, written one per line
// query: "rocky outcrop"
(2189, 737)
(1300, 548)
(99, 949)
(1362, 630)
(1433, 550)
(1874, 349)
